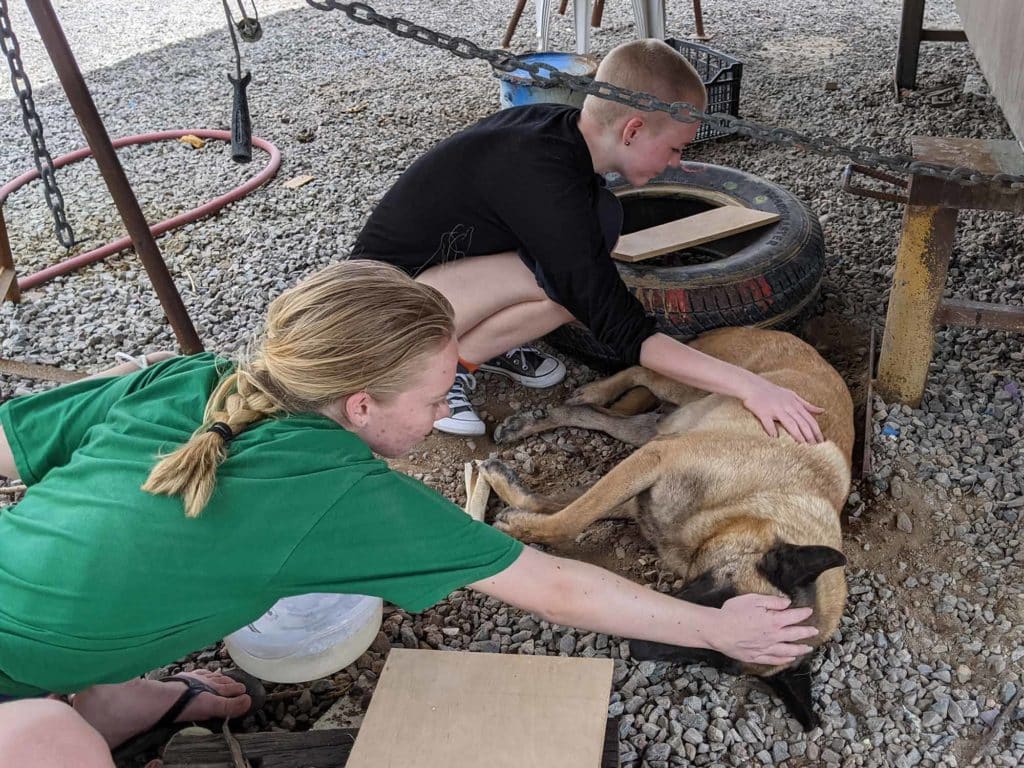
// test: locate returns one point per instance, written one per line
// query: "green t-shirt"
(100, 581)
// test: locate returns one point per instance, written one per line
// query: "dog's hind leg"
(634, 430)
(612, 496)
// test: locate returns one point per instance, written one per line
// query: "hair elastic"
(221, 429)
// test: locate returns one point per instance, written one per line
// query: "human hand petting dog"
(761, 629)
(771, 403)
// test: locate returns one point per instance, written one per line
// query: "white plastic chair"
(649, 16)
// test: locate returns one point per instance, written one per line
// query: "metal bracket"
(846, 184)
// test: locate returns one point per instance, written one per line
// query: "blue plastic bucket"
(517, 88)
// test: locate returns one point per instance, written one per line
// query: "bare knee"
(46, 733)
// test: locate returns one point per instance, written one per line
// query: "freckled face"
(394, 426)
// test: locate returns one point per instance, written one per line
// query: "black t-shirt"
(520, 180)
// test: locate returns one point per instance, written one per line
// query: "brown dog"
(728, 507)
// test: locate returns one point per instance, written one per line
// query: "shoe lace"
(521, 353)
(457, 396)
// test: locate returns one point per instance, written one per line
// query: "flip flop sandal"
(159, 733)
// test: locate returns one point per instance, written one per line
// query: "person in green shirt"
(124, 554)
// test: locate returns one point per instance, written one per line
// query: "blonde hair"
(649, 66)
(356, 326)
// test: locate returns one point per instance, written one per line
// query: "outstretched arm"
(768, 402)
(750, 628)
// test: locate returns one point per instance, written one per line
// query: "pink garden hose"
(68, 265)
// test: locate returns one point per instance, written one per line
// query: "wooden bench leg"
(8, 276)
(922, 262)
(909, 45)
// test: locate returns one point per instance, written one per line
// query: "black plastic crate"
(721, 75)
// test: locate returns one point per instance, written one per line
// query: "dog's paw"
(516, 427)
(495, 471)
(589, 394)
(519, 525)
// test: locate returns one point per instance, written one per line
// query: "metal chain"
(684, 113)
(34, 129)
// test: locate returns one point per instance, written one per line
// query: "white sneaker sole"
(532, 382)
(456, 427)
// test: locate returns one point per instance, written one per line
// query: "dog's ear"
(677, 654)
(791, 567)
(793, 686)
(705, 590)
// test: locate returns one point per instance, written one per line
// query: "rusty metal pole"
(113, 174)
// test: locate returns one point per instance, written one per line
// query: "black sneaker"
(529, 366)
(462, 419)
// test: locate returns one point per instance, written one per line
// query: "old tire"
(767, 277)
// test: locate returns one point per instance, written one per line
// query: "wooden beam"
(37, 371)
(690, 231)
(323, 749)
(979, 314)
(8, 275)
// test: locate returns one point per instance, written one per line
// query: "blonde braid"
(351, 327)
(191, 470)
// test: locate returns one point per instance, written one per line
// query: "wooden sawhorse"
(916, 305)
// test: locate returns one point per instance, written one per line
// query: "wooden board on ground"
(447, 709)
(690, 231)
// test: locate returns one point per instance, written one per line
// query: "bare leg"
(7, 467)
(498, 304)
(46, 733)
(130, 367)
(121, 711)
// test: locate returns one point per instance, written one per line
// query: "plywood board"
(995, 29)
(446, 709)
(690, 231)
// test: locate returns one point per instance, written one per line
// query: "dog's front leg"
(612, 496)
(634, 430)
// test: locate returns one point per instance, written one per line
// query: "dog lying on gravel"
(728, 507)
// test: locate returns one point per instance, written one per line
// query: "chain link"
(34, 129)
(684, 113)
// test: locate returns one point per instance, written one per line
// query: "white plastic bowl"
(306, 637)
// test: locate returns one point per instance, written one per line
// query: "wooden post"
(513, 23)
(922, 261)
(8, 276)
(909, 45)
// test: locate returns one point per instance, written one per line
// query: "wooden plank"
(38, 371)
(7, 279)
(322, 749)
(980, 314)
(312, 749)
(995, 29)
(690, 231)
(298, 181)
(438, 709)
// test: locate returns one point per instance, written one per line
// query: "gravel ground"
(931, 649)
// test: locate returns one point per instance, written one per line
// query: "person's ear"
(356, 409)
(631, 128)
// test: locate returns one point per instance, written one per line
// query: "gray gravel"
(931, 648)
